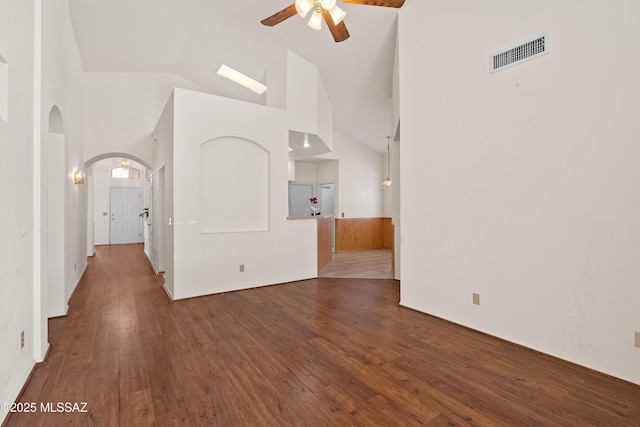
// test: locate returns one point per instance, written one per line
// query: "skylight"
(241, 79)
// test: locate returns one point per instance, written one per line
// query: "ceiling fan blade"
(385, 3)
(278, 17)
(339, 32)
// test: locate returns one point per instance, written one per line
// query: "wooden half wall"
(358, 234)
(324, 242)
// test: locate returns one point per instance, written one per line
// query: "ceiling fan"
(326, 9)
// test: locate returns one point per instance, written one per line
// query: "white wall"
(308, 105)
(327, 172)
(277, 80)
(306, 172)
(395, 93)
(361, 176)
(62, 87)
(395, 207)
(522, 185)
(163, 200)
(54, 186)
(209, 262)
(16, 228)
(122, 109)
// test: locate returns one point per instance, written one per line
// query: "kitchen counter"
(310, 217)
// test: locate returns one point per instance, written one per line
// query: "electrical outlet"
(476, 299)
(21, 339)
(241, 268)
(638, 339)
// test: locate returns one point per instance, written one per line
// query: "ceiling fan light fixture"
(304, 6)
(328, 4)
(315, 21)
(327, 10)
(337, 14)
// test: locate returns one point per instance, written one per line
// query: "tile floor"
(370, 264)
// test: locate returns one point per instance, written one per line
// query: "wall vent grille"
(530, 49)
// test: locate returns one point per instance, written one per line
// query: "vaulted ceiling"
(194, 37)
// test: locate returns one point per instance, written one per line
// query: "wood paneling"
(358, 234)
(324, 242)
(336, 352)
(387, 233)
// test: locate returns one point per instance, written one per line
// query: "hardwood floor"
(322, 352)
(368, 264)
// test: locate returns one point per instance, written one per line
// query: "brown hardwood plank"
(136, 409)
(316, 352)
(302, 397)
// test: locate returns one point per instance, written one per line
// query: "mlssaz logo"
(63, 407)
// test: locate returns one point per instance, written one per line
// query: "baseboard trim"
(168, 293)
(84, 270)
(27, 380)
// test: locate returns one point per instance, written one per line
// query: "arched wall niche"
(56, 124)
(234, 186)
(54, 205)
(4, 90)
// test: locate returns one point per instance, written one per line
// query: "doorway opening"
(119, 192)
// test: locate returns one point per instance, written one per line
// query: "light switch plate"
(476, 299)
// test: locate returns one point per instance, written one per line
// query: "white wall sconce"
(78, 178)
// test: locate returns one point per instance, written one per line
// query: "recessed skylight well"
(241, 79)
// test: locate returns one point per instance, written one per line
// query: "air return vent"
(530, 49)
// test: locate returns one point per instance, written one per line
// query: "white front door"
(126, 205)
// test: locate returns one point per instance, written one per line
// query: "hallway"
(318, 352)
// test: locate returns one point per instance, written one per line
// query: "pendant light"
(387, 182)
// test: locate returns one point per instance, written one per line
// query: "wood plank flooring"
(368, 264)
(322, 352)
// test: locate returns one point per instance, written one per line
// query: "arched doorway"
(106, 176)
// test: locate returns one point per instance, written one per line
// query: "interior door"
(126, 205)
(327, 199)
